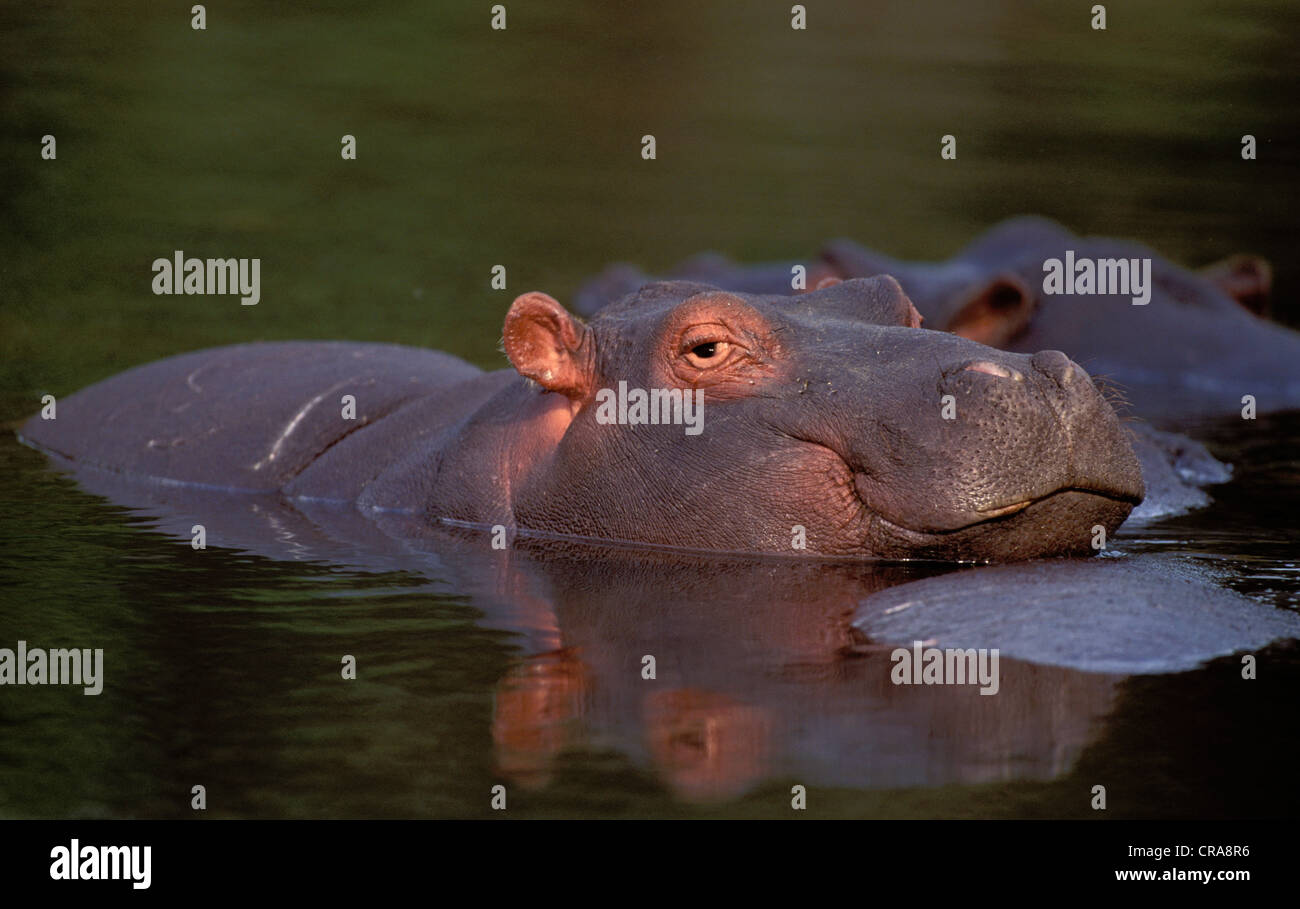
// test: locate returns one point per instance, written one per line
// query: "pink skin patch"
(543, 424)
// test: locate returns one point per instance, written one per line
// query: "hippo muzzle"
(1034, 462)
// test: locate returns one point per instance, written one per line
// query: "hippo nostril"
(1056, 366)
(993, 369)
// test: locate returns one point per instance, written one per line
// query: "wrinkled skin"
(822, 412)
(1193, 351)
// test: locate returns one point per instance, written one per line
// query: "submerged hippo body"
(1194, 350)
(821, 423)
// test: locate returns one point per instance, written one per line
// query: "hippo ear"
(551, 347)
(879, 300)
(1247, 279)
(992, 312)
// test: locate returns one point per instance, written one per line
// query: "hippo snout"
(1035, 455)
(1045, 406)
(1051, 363)
(1057, 367)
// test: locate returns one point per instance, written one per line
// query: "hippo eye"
(707, 354)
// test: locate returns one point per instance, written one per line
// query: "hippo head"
(832, 424)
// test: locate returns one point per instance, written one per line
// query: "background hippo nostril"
(994, 369)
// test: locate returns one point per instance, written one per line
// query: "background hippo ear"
(549, 346)
(610, 286)
(706, 267)
(1245, 278)
(993, 312)
(1015, 238)
(850, 260)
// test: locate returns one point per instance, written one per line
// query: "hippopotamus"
(1195, 348)
(832, 425)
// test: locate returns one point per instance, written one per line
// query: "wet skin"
(825, 412)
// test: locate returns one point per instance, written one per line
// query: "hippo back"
(248, 417)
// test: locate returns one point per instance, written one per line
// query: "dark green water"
(522, 148)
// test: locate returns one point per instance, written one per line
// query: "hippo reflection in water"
(834, 425)
(762, 676)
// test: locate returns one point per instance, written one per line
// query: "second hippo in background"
(1185, 346)
(1194, 349)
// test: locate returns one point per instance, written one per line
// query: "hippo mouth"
(1034, 524)
(944, 518)
(990, 515)
(1122, 496)
(1059, 523)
